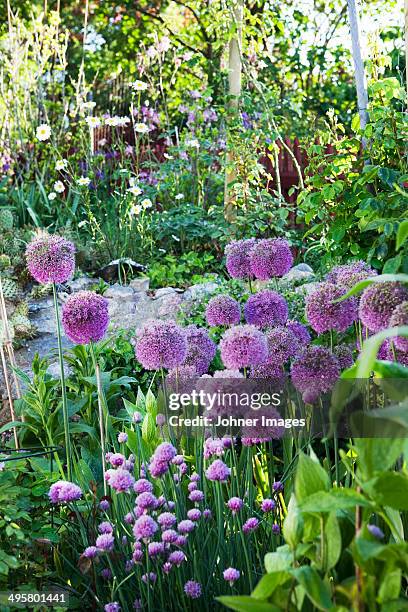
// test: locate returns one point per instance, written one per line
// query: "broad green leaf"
(245, 603)
(269, 583)
(377, 454)
(383, 278)
(317, 591)
(332, 536)
(372, 345)
(293, 524)
(336, 499)
(389, 489)
(402, 234)
(278, 561)
(310, 478)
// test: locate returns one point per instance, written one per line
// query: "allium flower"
(228, 374)
(314, 372)
(235, 504)
(213, 446)
(50, 259)
(155, 549)
(129, 518)
(192, 486)
(344, 355)
(142, 486)
(218, 471)
(112, 607)
(180, 380)
(176, 558)
(276, 529)
(166, 520)
(169, 536)
(394, 354)
(158, 468)
(282, 344)
(181, 541)
(121, 480)
(378, 302)
(268, 505)
(223, 310)
(137, 417)
(165, 452)
(301, 332)
(194, 514)
(161, 344)
(146, 501)
(250, 525)
(144, 528)
(231, 575)
(116, 459)
(375, 531)
(242, 346)
(138, 555)
(105, 527)
(122, 437)
(104, 505)
(200, 349)
(64, 492)
(150, 577)
(195, 477)
(237, 258)
(91, 552)
(270, 257)
(192, 589)
(277, 486)
(160, 417)
(166, 567)
(196, 496)
(185, 526)
(266, 309)
(105, 542)
(106, 573)
(399, 318)
(324, 314)
(349, 274)
(207, 514)
(269, 369)
(85, 317)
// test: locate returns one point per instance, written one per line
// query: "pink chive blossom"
(181, 541)
(116, 459)
(235, 504)
(250, 525)
(142, 486)
(177, 558)
(196, 496)
(194, 514)
(166, 520)
(144, 528)
(112, 607)
(105, 527)
(138, 555)
(129, 518)
(64, 492)
(185, 526)
(50, 259)
(166, 567)
(155, 549)
(218, 471)
(137, 417)
(120, 480)
(105, 542)
(268, 505)
(104, 505)
(122, 437)
(146, 501)
(106, 573)
(158, 468)
(85, 317)
(91, 552)
(231, 575)
(150, 577)
(276, 529)
(165, 452)
(169, 536)
(192, 589)
(207, 514)
(192, 486)
(277, 486)
(195, 477)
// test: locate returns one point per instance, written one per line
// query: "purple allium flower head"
(106, 573)
(344, 355)
(178, 460)
(91, 552)
(112, 607)
(121, 480)
(129, 518)
(105, 542)
(166, 520)
(250, 525)
(169, 536)
(223, 310)
(64, 492)
(231, 575)
(200, 349)
(104, 505)
(137, 417)
(170, 505)
(301, 332)
(138, 555)
(137, 604)
(116, 459)
(85, 317)
(144, 528)
(235, 504)
(165, 452)
(192, 589)
(192, 486)
(207, 514)
(218, 471)
(166, 567)
(282, 345)
(268, 505)
(181, 541)
(237, 258)
(146, 501)
(270, 257)
(375, 531)
(378, 303)
(122, 437)
(394, 354)
(155, 549)
(50, 259)
(213, 446)
(161, 344)
(276, 529)
(399, 318)
(348, 275)
(105, 527)
(129, 565)
(196, 496)
(142, 486)
(269, 369)
(315, 371)
(266, 309)
(195, 477)
(176, 558)
(242, 346)
(194, 514)
(324, 314)
(185, 526)
(158, 468)
(277, 486)
(150, 577)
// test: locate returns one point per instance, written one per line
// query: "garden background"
(210, 192)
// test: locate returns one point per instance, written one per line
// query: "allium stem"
(63, 387)
(100, 411)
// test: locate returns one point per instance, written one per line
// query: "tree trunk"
(234, 91)
(359, 72)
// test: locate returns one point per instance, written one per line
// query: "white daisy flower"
(52, 196)
(43, 132)
(84, 181)
(146, 203)
(139, 86)
(61, 164)
(141, 128)
(135, 190)
(136, 209)
(179, 196)
(93, 122)
(59, 187)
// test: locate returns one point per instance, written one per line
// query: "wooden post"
(234, 91)
(359, 72)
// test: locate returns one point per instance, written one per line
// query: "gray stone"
(306, 288)
(301, 272)
(120, 292)
(200, 291)
(159, 293)
(83, 283)
(140, 284)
